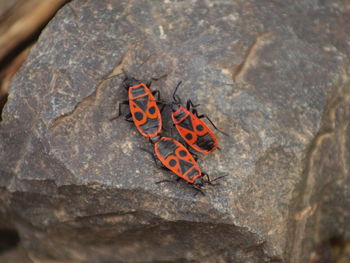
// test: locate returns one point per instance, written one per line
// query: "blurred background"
(21, 22)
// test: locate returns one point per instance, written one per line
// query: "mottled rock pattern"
(274, 75)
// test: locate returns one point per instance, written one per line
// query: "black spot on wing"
(188, 136)
(172, 163)
(183, 153)
(138, 115)
(200, 127)
(152, 110)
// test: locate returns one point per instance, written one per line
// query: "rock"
(272, 75)
(15, 255)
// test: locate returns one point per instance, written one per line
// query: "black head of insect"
(176, 103)
(200, 181)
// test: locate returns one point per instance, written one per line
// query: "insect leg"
(166, 181)
(169, 181)
(158, 94)
(154, 159)
(125, 102)
(149, 84)
(175, 97)
(158, 99)
(194, 155)
(210, 182)
(190, 104)
(217, 178)
(127, 118)
(195, 112)
(198, 190)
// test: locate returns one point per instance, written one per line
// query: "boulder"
(273, 75)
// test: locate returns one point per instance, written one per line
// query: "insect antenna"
(217, 178)
(175, 97)
(210, 182)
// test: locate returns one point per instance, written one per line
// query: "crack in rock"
(249, 61)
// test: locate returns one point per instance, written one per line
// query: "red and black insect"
(190, 126)
(144, 111)
(176, 158)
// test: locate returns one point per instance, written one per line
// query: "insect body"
(191, 128)
(174, 156)
(144, 111)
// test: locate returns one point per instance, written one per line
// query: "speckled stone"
(273, 75)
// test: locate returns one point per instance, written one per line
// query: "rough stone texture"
(15, 255)
(272, 74)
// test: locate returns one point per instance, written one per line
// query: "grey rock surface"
(274, 75)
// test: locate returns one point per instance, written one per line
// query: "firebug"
(190, 126)
(175, 157)
(144, 111)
